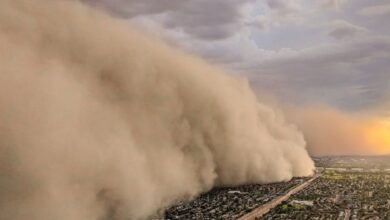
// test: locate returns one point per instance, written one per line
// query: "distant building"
(302, 202)
(356, 169)
(235, 192)
(336, 169)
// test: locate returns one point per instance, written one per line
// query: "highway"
(263, 209)
(347, 214)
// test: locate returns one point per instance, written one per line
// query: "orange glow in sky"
(378, 135)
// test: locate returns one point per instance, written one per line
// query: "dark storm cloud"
(352, 75)
(132, 8)
(376, 10)
(284, 6)
(342, 30)
(203, 19)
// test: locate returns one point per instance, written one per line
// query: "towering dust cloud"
(100, 122)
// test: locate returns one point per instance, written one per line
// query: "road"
(263, 209)
(347, 214)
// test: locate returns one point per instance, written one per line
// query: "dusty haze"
(330, 131)
(98, 121)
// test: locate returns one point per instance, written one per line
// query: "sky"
(333, 52)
